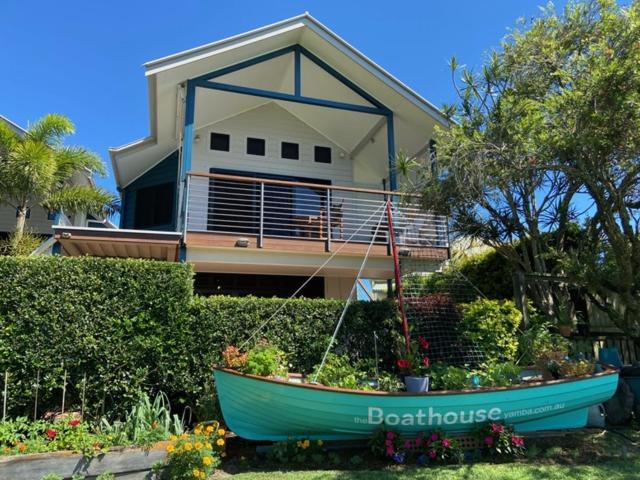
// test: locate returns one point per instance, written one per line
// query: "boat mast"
(396, 270)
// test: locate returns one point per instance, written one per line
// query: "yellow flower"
(184, 436)
(220, 442)
(320, 442)
(196, 473)
(198, 430)
(198, 445)
(210, 429)
(170, 448)
(299, 444)
(207, 461)
(188, 446)
(221, 432)
(305, 444)
(207, 445)
(173, 438)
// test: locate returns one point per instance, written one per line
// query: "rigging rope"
(349, 299)
(279, 309)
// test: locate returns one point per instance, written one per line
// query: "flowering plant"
(424, 448)
(416, 363)
(196, 455)
(500, 440)
(233, 357)
(295, 450)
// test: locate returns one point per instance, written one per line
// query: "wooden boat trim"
(608, 370)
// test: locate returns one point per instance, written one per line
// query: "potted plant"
(416, 366)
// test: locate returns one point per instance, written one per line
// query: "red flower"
(426, 362)
(403, 364)
(488, 440)
(446, 443)
(497, 428)
(74, 423)
(518, 441)
(51, 433)
(423, 342)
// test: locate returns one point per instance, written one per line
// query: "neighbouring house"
(268, 153)
(39, 220)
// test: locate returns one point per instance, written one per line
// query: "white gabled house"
(269, 152)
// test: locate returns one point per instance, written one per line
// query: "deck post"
(391, 152)
(328, 244)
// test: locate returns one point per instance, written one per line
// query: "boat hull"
(256, 408)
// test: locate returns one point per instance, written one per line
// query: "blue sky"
(84, 58)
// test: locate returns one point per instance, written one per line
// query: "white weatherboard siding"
(36, 223)
(275, 125)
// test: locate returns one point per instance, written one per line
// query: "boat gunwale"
(608, 370)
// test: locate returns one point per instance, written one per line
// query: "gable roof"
(13, 126)
(166, 74)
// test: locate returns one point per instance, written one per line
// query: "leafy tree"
(548, 133)
(37, 169)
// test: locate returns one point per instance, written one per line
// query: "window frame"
(264, 146)
(323, 147)
(297, 144)
(228, 137)
(155, 223)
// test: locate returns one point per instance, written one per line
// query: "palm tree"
(36, 168)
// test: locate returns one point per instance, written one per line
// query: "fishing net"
(433, 293)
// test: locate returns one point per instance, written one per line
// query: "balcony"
(294, 216)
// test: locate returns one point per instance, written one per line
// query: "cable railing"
(273, 208)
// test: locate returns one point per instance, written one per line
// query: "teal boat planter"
(259, 408)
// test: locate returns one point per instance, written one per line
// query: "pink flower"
(389, 451)
(488, 440)
(423, 342)
(497, 428)
(388, 442)
(446, 443)
(426, 362)
(390, 435)
(408, 444)
(434, 436)
(518, 441)
(419, 440)
(432, 454)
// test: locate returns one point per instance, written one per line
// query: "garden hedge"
(135, 325)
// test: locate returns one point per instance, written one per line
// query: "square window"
(154, 206)
(255, 146)
(220, 141)
(290, 150)
(322, 154)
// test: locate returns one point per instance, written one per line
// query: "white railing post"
(185, 214)
(261, 226)
(328, 244)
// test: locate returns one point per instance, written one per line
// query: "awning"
(109, 242)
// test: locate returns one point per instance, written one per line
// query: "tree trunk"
(20, 224)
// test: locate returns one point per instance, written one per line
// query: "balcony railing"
(269, 208)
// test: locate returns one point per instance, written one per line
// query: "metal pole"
(396, 270)
(261, 231)
(37, 386)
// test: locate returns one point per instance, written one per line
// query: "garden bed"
(125, 462)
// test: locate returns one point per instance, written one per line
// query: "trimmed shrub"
(493, 326)
(105, 318)
(134, 326)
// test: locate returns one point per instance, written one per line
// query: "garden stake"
(37, 386)
(84, 390)
(4, 395)
(64, 388)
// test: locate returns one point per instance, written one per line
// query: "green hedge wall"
(134, 325)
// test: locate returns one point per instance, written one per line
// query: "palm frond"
(71, 160)
(83, 198)
(51, 129)
(28, 171)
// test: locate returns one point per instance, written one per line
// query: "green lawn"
(614, 470)
(580, 455)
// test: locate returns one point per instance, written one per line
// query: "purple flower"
(488, 440)
(390, 435)
(398, 458)
(434, 437)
